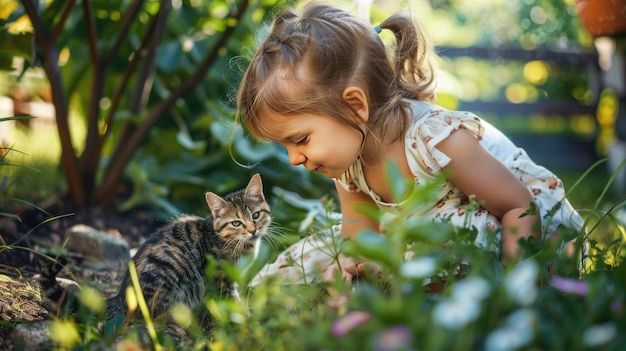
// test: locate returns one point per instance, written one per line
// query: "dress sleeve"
(435, 127)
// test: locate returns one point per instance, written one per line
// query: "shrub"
(542, 302)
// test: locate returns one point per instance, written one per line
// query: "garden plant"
(148, 84)
(546, 301)
(130, 71)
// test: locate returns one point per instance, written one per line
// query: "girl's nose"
(296, 158)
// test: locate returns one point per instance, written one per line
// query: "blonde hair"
(319, 53)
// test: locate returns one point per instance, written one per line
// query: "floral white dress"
(307, 259)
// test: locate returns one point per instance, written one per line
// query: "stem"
(132, 66)
(66, 12)
(129, 15)
(50, 53)
(145, 54)
(92, 141)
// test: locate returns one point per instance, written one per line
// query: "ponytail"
(414, 75)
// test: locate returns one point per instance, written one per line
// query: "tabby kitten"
(171, 263)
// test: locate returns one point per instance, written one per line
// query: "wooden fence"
(560, 150)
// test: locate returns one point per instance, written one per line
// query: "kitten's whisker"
(275, 227)
(273, 234)
(231, 244)
(271, 239)
(240, 248)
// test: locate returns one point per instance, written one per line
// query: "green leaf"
(16, 118)
(373, 246)
(168, 57)
(435, 233)
(400, 187)
(11, 215)
(11, 46)
(188, 143)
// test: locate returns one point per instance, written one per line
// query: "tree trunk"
(49, 51)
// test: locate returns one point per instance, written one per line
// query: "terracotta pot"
(602, 17)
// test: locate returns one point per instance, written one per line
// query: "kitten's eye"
(256, 215)
(236, 223)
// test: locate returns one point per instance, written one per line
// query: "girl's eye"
(256, 215)
(302, 141)
(236, 223)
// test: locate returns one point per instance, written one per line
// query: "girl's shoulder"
(432, 123)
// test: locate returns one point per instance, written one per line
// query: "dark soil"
(39, 233)
(43, 231)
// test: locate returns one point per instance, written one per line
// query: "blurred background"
(133, 100)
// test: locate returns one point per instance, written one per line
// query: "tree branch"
(145, 55)
(51, 67)
(152, 39)
(123, 155)
(130, 70)
(89, 160)
(129, 15)
(66, 12)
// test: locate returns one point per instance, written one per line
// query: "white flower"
(599, 334)
(518, 331)
(473, 288)
(420, 267)
(455, 314)
(463, 306)
(521, 282)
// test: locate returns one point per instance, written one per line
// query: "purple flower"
(348, 322)
(568, 285)
(394, 338)
(617, 306)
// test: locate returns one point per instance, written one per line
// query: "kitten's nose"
(251, 228)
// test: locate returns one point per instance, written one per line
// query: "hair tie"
(378, 29)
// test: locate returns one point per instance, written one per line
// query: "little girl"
(322, 85)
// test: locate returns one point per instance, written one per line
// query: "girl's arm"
(477, 172)
(352, 223)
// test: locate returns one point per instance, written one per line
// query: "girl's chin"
(331, 174)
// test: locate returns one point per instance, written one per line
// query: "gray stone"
(31, 336)
(98, 247)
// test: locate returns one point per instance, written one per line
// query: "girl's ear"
(355, 96)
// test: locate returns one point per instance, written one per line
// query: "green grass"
(36, 173)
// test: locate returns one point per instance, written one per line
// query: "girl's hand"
(349, 269)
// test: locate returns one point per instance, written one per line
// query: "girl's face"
(318, 142)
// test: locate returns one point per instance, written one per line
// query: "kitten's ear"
(215, 202)
(255, 187)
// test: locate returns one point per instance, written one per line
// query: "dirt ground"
(18, 298)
